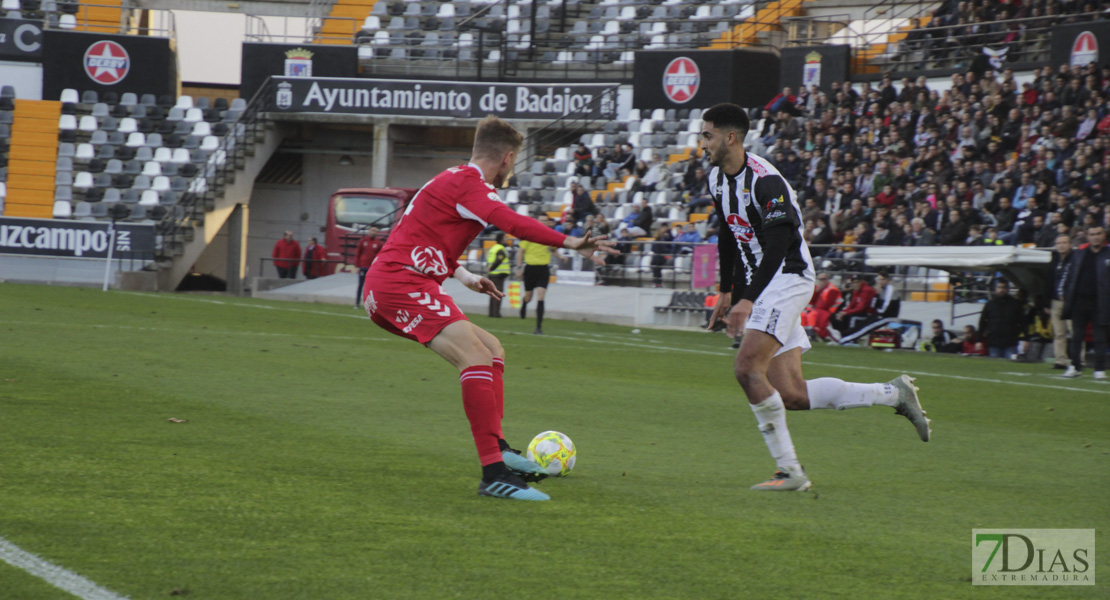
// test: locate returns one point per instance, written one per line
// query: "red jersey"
(441, 221)
(366, 251)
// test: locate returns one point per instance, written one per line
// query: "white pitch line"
(583, 338)
(53, 574)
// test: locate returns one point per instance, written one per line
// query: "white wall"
(25, 77)
(210, 45)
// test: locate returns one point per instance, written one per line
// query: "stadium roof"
(1023, 266)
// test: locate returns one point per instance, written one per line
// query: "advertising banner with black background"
(20, 40)
(1079, 44)
(441, 98)
(72, 239)
(702, 78)
(261, 61)
(815, 65)
(107, 63)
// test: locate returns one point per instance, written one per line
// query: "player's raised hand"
(487, 287)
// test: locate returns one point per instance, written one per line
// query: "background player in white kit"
(767, 279)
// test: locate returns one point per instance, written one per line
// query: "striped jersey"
(754, 204)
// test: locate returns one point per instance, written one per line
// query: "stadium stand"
(102, 16)
(958, 33)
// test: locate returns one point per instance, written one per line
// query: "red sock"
(480, 404)
(499, 392)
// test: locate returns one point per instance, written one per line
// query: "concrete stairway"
(32, 154)
(226, 190)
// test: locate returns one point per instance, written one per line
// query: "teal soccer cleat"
(522, 467)
(512, 488)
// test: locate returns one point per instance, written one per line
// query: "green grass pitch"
(326, 459)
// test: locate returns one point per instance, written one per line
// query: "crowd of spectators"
(980, 162)
(1012, 31)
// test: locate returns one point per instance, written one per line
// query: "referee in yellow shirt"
(536, 259)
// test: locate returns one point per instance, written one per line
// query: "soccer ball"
(553, 451)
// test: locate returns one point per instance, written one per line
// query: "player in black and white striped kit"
(767, 279)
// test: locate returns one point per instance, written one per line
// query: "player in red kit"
(403, 293)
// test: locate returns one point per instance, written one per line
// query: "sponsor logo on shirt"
(741, 229)
(757, 168)
(771, 205)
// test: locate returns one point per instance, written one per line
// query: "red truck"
(351, 213)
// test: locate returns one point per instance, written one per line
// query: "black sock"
(539, 314)
(493, 471)
(523, 310)
(503, 445)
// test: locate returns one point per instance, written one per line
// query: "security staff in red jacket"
(286, 255)
(365, 253)
(314, 257)
(859, 304)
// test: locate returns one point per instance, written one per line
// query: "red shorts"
(412, 307)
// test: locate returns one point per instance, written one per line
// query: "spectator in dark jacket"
(954, 232)
(1002, 322)
(1087, 300)
(581, 204)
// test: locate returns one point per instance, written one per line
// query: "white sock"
(771, 416)
(828, 392)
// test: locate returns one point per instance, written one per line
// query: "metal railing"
(299, 267)
(211, 180)
(133, 20)
(568, 129)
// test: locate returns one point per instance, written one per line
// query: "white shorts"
(778, 311)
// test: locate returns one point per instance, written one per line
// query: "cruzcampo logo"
(1033, 557)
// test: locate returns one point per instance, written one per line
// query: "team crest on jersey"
(741, 229)
(429, 260)
(746, 196)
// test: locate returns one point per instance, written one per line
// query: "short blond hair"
(494, 138)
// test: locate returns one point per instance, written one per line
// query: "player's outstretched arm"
(479, 284)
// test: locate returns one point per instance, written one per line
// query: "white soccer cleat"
(1072, 373)
(910, 407)
(786, 479)
(1100, 376)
